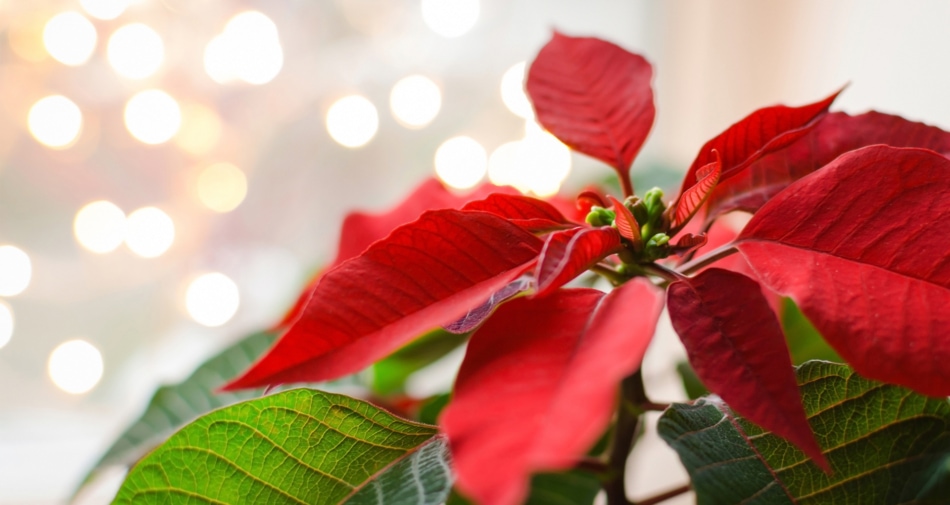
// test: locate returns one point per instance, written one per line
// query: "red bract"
(538, 383)
(567, 254)
(867, 239)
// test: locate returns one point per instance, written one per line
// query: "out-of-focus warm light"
(352, 121)
(212, 299)
(15, 270)
(149, 232)
(537, 164)
(200, 129)
(55, 121)
(100, 226)
(135, 51)
(461, 162)
(222, 187)
(248, 50)
(104, 9)
(75, 366)
(513, 94)
(69, 38)
(6, 324)
(26, 38)
(415, 101)
(152, 116)
(450, 18)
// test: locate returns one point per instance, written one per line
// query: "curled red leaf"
(538, 384)
(567, 254)
(527, 212)
(690, 200)
(736, 345)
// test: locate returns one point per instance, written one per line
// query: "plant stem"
(628, 420)
(662, 497)
(615, 277)
(714, 256)
(625, 182)
(662, 271)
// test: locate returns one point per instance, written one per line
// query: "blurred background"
(171, 171)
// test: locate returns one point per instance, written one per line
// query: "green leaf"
(691, 384)
(804, 341)
(886, 445)
(301, 446)
(390, 373)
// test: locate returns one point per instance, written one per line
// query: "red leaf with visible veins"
(836, 134)
(862, 247)
(690, 200)
(538, 384)
(736, 345)
(627, 225)
(594, 96)
(569, 253)
(529, 213)
(759, 133)
(423, 275)
(360, 229)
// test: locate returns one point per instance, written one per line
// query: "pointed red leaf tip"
(835, 135)
(529, 213)
(862, 247)
(538, 384)
(736, 345)
(567, 254)
(693, 198)
(689, 243)
(759, 133)
(627, 225)
(423, 275)
(594, 96)
(588, 198)
(360, 229)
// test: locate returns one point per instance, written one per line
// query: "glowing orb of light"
(212, 299)
(450, 18)
(222, 187)
(461, 162)
(16, 270)
(104, 9)
(415, 101)
(149, 232)
(70, 38)
(135, 51)
(6, 324)
(75, 366)
(352, 121)
(152, 116)
(513, 94)
(55, 121)
(248, 50)
(100, 226)
(200, 129)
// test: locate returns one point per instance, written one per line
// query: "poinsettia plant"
(851, 221)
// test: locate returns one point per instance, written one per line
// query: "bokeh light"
(15, 270)
(513, 93)
(415, 101)
(149, 232)
(75, 366)
(461, 162)
(152, 116)
(100, 226)
(212, 299)
(352, 121)
(537, 164)
(26, 38)
(55, 121)
(222, 187)
(104, 9)
(248, 50)
(200, 129)
(135, 51)
(70, 38)
(450, 18)
(6, 324)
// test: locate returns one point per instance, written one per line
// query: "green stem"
(625, 432)
(616, 278)
(662, 271)
(662, 497)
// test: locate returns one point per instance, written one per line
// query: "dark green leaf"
(390, 374)
(804, 341)
(432, 407)
(886, 445)
(301, 446)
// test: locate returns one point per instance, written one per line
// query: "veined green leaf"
(886, 445)
(572, 487)
(297, 447)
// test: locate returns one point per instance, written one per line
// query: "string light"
(352, 121)
(222, 187)
(461, 162)
(75, 366)
(70, 38)
(513, 94)
(55, 121)
(152, 116)
(15, 270)
(415, 101)
(212, 299)
(104, 9)
(100, 226)
(135, 51)
(450, 18)
(149, 232)
(247, 50)
(6, 324)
